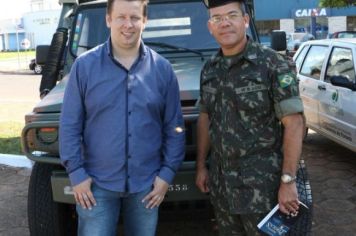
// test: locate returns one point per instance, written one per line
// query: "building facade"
(35, 27)
(302, 16)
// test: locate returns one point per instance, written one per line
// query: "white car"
(327, 83)
(294, 40)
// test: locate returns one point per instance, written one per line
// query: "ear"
(210, 28)
(144, 22)
(108, 20)
(247, 20)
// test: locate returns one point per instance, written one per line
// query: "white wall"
(337, 23)
(287, 25)
(40, 26)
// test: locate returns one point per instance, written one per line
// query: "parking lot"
(332, 171)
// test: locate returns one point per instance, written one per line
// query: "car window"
(346, 35)
(314, 61)
(300, 57)
(341, 64)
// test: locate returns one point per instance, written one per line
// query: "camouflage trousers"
(230, 224)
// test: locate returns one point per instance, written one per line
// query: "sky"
(11, 9)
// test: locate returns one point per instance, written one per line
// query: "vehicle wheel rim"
(38, 69)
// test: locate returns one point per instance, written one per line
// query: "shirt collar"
(142, 50)
(250, 54)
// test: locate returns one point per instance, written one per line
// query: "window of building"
(265, 28)
(351, 23)
(321, 26)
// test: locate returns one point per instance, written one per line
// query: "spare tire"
(53, 60)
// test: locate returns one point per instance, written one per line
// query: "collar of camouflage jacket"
(250, 54)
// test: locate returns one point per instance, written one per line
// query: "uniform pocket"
(253, 105)
(252, 192)
(209, 97)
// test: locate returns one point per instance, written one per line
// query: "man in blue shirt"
(121, 130)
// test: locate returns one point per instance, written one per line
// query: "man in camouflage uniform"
(247, 92)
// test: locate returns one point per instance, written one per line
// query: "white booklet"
(277, 223)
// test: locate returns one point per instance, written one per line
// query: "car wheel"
(305, 134)
(37, 69)
(46, 217)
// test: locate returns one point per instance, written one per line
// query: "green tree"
(337, 3)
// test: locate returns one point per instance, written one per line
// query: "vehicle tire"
(54, 60)
(305, 133)
(37, 69)
(46, 217)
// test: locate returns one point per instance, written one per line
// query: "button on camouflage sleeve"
(285, 90)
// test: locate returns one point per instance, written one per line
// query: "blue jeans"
(102, 220)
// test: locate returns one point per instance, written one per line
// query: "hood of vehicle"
(187, 71)
(52, 102)
(188, 74)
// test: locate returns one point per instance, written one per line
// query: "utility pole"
(16, 23)
(17, 45)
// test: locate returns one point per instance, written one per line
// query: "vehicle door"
(310, 85)
(337, 108)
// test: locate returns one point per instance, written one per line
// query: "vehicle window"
(314, 61)
(346, 35)
(300, 57)
(86, 33)
(341, 63)
(178, 24)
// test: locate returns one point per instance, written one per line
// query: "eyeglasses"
(232, 16)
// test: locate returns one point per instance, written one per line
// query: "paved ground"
(332, 171)
(13, 201)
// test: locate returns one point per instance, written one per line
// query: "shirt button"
(129, 91)
(129, 135)
(129, 112)
(129, 156)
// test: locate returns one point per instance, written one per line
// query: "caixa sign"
(310, 12)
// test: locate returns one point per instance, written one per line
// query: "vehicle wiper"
(166, 45)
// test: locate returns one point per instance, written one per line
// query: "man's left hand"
(156, 196)
(288, 198)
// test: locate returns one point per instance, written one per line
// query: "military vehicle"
(177, 30)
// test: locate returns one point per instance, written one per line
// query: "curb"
(15, 161)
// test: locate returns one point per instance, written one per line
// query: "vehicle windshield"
(347, 35)
(181, 25)
(295, 36)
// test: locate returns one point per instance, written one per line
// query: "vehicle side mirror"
(41, 54)
(278, 40)
(342, 81)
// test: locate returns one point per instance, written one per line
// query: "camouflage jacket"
(245, 97)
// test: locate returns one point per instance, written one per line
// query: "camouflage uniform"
(245, 97)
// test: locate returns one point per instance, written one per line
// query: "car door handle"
(321, 87)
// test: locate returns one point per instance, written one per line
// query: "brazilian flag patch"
(286, 80)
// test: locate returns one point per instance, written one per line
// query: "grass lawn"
(10, 133)
(10, 55)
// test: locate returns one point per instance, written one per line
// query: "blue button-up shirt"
(121, 127)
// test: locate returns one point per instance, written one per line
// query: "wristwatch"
(287, 178)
